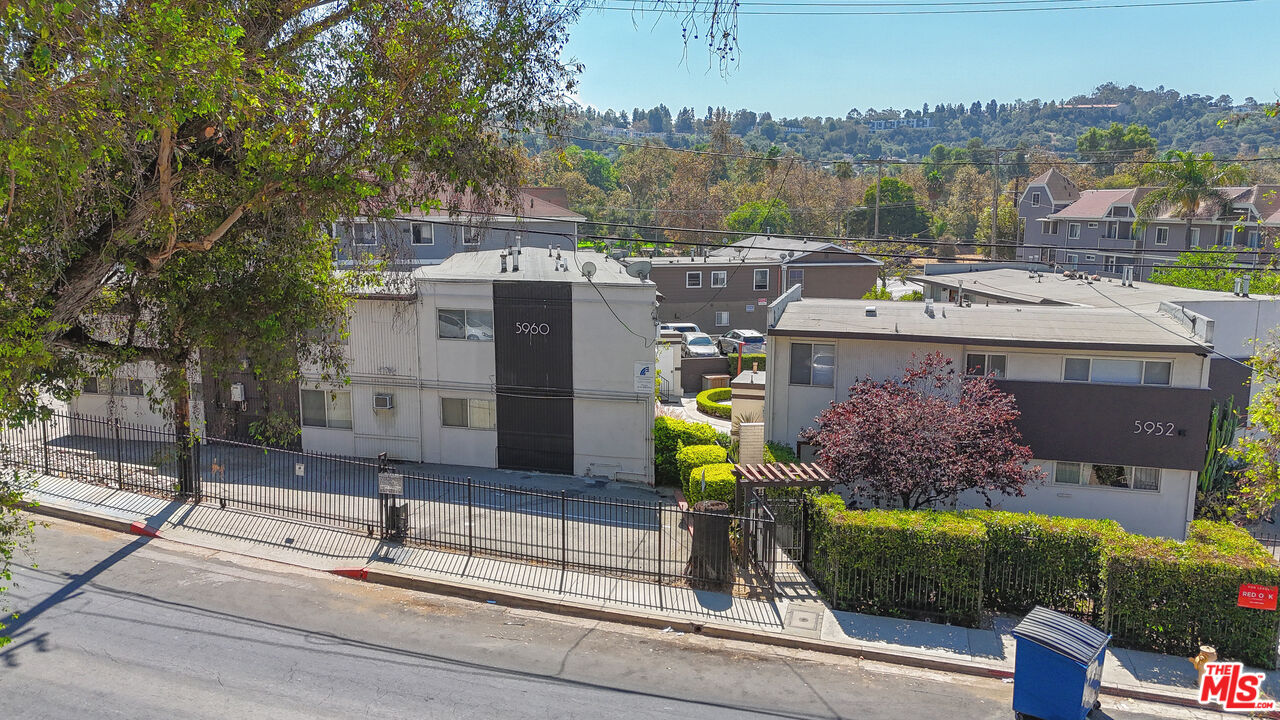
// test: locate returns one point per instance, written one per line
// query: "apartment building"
(516, 361)
(536, 217)
(730, 287)
(1097, 231)
(1115, 406)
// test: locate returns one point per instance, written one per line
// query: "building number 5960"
(524, 328)
(1152, 428)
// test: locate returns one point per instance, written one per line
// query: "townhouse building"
(731, 287)
(1115, 406)
(1098, 231)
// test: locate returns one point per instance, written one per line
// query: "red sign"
(1229, 686)
(1262, 597)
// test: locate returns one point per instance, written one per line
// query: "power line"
(828, 13)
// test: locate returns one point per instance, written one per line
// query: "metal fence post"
(115, 423)
(471, 532)
(44, 442)
(564, 531)
(661, 532)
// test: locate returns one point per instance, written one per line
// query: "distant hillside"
(1221, 125)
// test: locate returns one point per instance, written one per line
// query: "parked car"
(698, 344)
(678, 327)
(741, 341)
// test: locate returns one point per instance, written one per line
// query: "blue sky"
(813, 65)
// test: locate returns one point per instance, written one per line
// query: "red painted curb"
(141, 528)
(353, 573)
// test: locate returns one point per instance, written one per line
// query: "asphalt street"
(113, 626)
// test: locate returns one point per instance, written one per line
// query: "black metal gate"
(759, 538)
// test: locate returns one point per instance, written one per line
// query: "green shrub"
(913, 296)
(719, 484)
(695, 456)
(777, 452)
(712, 402)
(887, 562)
(1172, 597)
(1056, 562)
(747, 360)
(669, 434)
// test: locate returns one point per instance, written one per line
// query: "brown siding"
(843, 282)
(692, 370)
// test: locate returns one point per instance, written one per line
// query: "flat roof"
(1048, 288)
(1077, 328)
(536, 265)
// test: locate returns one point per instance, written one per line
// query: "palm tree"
(1188, 183)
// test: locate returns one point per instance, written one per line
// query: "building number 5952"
(1152, 428)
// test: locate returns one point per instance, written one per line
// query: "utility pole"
(879, 172)
(995, 200)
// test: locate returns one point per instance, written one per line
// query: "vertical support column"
(564, 530)
(471, 532)
(115, 424)
(44, 442)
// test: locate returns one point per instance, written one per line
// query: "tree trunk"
(187, 472)
(710, 565)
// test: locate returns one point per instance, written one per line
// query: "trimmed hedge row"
(747, 360)
(691, 457)
(720, 484)
(778, 452)
(1149, 593)
(888, 562)
(712, 402)
(669, 435)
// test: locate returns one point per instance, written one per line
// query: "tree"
(1259, 448)
(16, 530)
(925, 437)
(1213, 270)
(899, 213)
(173, 167)
(1188, 183)
(759, 217)
(1114, 145)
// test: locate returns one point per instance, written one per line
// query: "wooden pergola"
(783, 475)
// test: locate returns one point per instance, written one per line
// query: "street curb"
(509, 598)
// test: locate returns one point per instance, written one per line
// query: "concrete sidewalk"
(797, 618)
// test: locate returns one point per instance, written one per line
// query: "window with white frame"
(1162, 236)
(1109, 263)
(471, 237)
(1093, 225)
(1194, 238)
(464, 324)
(1073, 231)
(1090, 258)
(326, 409)
(364, 233)
(722, 318)
(1035, 199)
(1228, 236)
(761, 278)
(1123, 371)
(983, 364)
(1072, 258)
(1051, 228)
(813, 364)
(1253, 238)
(119, 387)
(1114, 476)
(470, 413)
(719, 278)
(795, 276)
(423, 233)
(693, 279)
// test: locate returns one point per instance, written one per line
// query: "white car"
(748, 341)
(679, 328)
(698, 344)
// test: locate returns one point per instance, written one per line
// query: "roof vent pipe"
(503, 255)
(928, 307)
(515, 261)
(1244, 286)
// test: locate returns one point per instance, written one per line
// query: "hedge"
(669, 434)
(778, 452)
(712, 402)
(1172, 597)
(888, 562)
(720, 484)
(747, 360)
(695, 456)
(1056, 562)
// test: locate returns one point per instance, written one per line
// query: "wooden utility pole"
(879, 173)
(995, 200)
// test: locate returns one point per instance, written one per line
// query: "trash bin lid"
(1063, 634)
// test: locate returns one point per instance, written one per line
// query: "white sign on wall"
(299, 469)
(644, 374)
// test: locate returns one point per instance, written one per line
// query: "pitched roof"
(530, 203)
(1094, 204)
(1060, 187)
(767, 247)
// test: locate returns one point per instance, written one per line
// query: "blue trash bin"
(1058, 667)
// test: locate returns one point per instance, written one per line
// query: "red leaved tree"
(925, 437)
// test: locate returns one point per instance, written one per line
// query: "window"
(1035, 199)
(364, 233)
(722, 318)
(1073, 231)
(1109, 263)
(1117, 370)
(980, 364)
(1072, 258)
(1228, 236)
(761, 279)
(471, 237)
(719, 278)
(1093, 225)
(795, 276)
(1195, 237)
(1053, 228)
(693, 279)
(323, 408)
(89, 386)
(465, 324)
(813, 364)
(423, 233)
(1114, 476)
(1090, 258)
(1162, 236)
(467, 413)
(1253, 239)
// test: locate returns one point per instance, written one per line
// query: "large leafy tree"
(171, 167)
(1188, 184)
(760, 217)
(1114, 145)
(925, 437)
(1259, 448)
(1215, 269)
(900, 214)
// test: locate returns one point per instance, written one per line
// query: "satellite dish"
(639, 269)
(588, 269)
(618, 254)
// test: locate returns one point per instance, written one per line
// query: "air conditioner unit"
(383, 401)
(237, 392)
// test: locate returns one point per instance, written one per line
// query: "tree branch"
(78, 340)
(309, 33)
(203, 244)
(164, 176)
